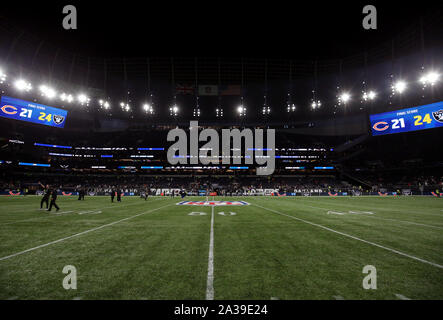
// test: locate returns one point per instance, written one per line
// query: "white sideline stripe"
(401, 297)
(210, 281)
(355, 238)
(59, 213)
(81, 233)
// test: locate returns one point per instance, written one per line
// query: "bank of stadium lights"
(2, 76)
(104, 104)
(125, 106)
(173, 110)
(315, 104)
(241, 110)
(371, 95)
(23, 85)
(219, 112)
(291, 107)
(344, 98)
(83, 99)
(266, 110)
(399, 87)
(148, 108)
(196, 113)
(66, 97)
(430, 78)
(47, 91)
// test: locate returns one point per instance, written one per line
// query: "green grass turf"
(258, 253)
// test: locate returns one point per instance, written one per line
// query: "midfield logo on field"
(212, 203)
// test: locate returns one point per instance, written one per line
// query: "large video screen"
(32, 112)
(412, 119)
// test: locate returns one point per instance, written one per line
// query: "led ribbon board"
(17, 109)
(412, 119)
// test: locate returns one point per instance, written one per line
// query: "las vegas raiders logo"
(58, 119)
(438, 115)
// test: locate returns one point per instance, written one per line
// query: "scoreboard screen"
(17, 109)
(412, 119)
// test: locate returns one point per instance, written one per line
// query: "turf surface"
(276, 247)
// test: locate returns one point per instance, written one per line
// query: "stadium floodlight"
(23, 85)
(66, 97)
(291, 107)
(196, 112)
(371, 95)
(83, 99)
(148, 108)
(219, 112)
(125, 107)
(47, 92)
(430, 78)
(104, 104)
(174, 110)
(2, 76)
(399, 86)
(241, 110)
(266, 110)
(344, 97)
(315, 104)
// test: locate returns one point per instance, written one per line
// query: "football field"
(267, 248)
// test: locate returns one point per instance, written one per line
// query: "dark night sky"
(234, 28)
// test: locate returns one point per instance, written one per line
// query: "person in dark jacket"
(53, 199)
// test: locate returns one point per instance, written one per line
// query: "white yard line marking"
(335, 212)
(13, 298)
(370, 216)
(81, 233)
(338, 298)
(59, 213)
(355, 238)
(210, 281)
(401, 297)
(274, 298)
(326, 201)
(90, 212)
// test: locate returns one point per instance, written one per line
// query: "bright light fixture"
(345, 97)
(2, 76)
(399, 86)
(371, 95)
(48, 92)
(22, 85)
(430, 78)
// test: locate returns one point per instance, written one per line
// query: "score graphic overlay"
(17, 109)
(412, 119)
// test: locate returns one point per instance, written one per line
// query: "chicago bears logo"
(377, 125)
(6, 109)
(58, 119)
(438, 115)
